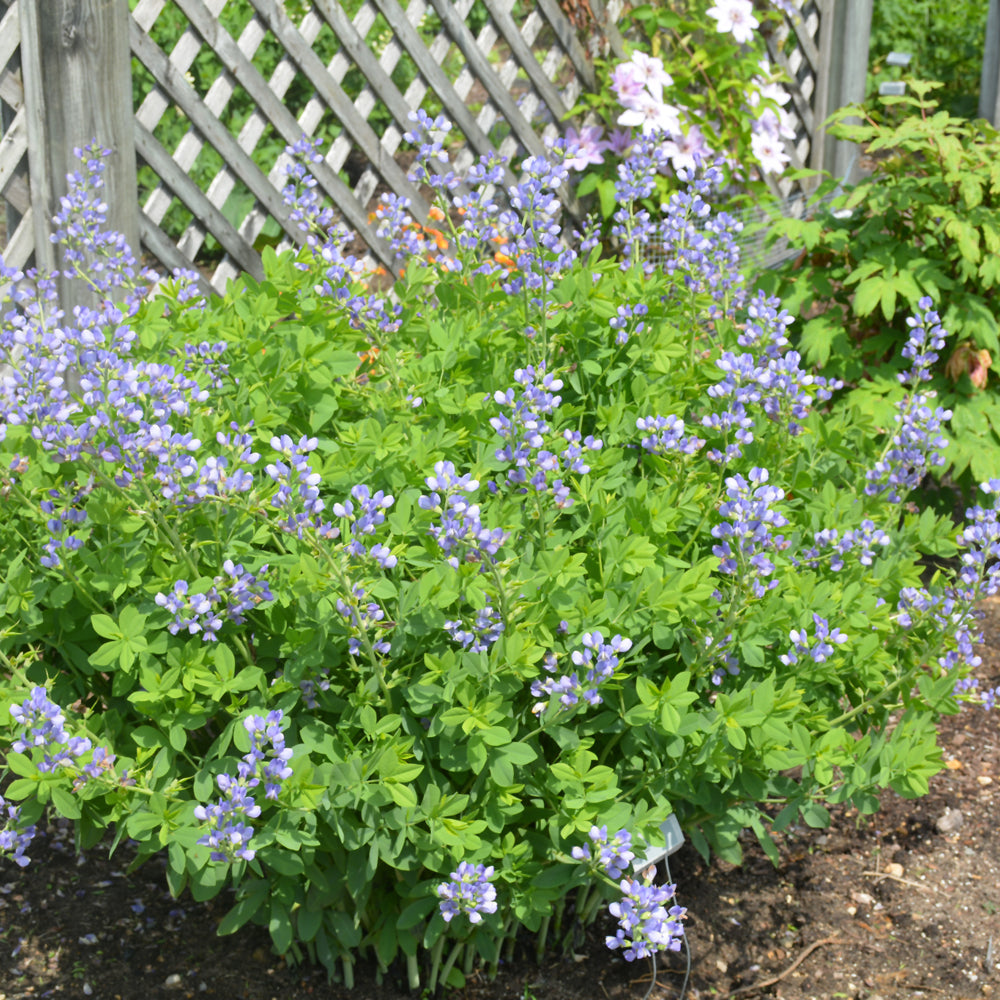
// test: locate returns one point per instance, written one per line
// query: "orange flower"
(435, 213)
(438, 237)
(505, 261)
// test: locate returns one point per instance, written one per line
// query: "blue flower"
(645, 925)
(484, 631)
(614, 854)
(14, 838)
(470, 891)
(43, 725)
(666, 434)
(917, 445)
(746, 535)
(820, 650)
(229, 833)
(461, 530)
(598, 658)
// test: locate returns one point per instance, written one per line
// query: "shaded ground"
(903, 907)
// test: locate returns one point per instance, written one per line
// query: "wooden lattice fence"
(223, 100)
(225, 85)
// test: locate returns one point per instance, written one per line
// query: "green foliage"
(925, 222)
(408, 761)
(946, 39)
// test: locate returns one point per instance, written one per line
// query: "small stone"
(862, 898)
(894, 869)
(852, 911)
(722, 965)
(172, 981)
(984, 779)
(949, 821)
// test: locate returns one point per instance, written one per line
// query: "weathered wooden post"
(76, 66)
(989, 82)
(845, 32)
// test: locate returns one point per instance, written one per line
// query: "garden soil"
(903, 905)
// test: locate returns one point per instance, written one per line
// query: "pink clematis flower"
(585, 147)
(650, 70)
(651, 116)
(687, 152)
(620, 141)
(627, 84)
(736, 17)
(769, 152)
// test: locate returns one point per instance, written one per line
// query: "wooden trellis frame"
(538, 56)
(824, 54)
(495, 82)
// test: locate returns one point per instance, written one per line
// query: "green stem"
(540, 521)
(593, 904)
(348, 972)
(710, 509)
(244, 649)
(494, 572)
(527, 311)
(540, 941)
(413, 972)
(435, 964)
(366, 643)
(610, 745)
(560, 910)
(219, 552)
(163, 525)
(873, 701)
(508, 928)
(80, 589)
(450, 961)
(510, 945)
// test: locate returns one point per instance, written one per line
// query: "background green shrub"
(946, 40)
(925, 222)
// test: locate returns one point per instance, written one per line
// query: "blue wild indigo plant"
(384, 609)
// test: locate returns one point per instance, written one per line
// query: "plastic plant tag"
(892, 88)
(898, 58)
(673, 838)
